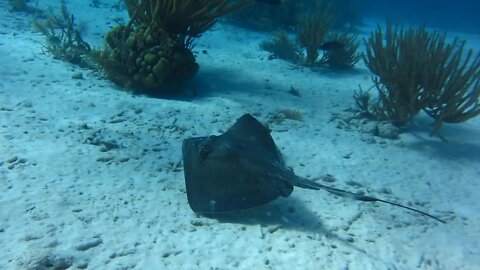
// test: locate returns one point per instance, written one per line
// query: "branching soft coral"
(313, 34)
(188, 18)
(419, 70)
(313, 30)
(63, 37)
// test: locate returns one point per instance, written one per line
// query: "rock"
(89, 244)
(329, 178)
(27, 104)
(370, 127)
(388, 131)
(82, 265)
(53, 244)
(84, 126)
(273, 228)
(31, 237)
(117, 120)
(105, 159)
(58, 262)
(350, 239)
(77, 76)
(354, 184)
(123, 159)
(369, 138)
(385, 190)
(199, 222)
(12, 159)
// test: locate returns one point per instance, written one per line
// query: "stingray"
(242, 168)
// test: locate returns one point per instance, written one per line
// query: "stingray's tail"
(306, 183)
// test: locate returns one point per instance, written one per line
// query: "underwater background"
(444, 14)
(377, 98)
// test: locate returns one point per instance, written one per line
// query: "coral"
(153, 52)
(63, 37)
(138, 61)
(363, 103)
(282, 47)
(345, 57)
(452, 80)
(188, 18)
(396, 58)
(418, 70)
(313, 30)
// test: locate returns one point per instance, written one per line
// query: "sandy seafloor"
(67, 200)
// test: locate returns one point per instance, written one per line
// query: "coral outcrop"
(153, 52)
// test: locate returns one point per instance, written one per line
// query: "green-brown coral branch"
(313, 29)
(181, 17)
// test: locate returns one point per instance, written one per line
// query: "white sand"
(65, 199)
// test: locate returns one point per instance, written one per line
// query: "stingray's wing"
(254, 137)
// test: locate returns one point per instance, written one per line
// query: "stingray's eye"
(204, 149)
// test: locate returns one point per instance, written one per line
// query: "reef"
(314, 33)
(345, 57)
(153, 52)
(419, 70)
(282, 47)
(63, 36)
(313, 30)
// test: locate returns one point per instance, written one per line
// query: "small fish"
(270, 2)
(331, 46)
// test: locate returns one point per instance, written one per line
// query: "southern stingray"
(242, 168)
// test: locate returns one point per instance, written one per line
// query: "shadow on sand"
(461, 141)
(288, 214)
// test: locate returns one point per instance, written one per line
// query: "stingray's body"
(242, 168)
(239, 169)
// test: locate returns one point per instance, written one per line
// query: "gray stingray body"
(242, 168)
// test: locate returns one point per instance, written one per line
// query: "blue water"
(445, 14)
(92, 176)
